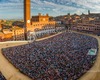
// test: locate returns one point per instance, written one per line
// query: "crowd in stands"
(1, 39)
(2, 77)
(47, 31)
(63, 57)
(5, 39)
(90, 32)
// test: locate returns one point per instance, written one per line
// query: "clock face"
(28, 21)
(43, 19)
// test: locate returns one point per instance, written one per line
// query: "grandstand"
(64, 56)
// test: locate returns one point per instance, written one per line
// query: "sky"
(13, 9)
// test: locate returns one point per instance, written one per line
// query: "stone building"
(41, 22)
(18, 33)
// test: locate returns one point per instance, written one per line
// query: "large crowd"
(63, 57)
(2, 77)
(5, 39)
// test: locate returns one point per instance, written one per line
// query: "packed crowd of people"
(63, 57)
(90, 32)
(2, 77)
(5, 39)
(41, 33)
(1, 39)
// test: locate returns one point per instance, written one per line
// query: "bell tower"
(27, 13)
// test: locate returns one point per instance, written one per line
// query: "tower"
(27, 13)
(88, 12)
